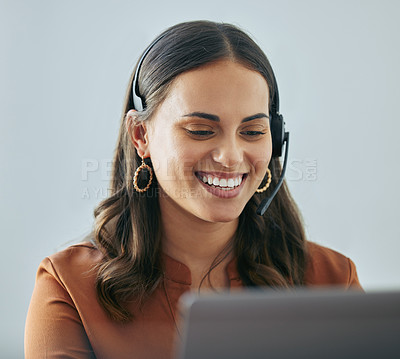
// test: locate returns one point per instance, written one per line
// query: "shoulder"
(79, 255)
(72, 267)
(326, 266)
(65, 296)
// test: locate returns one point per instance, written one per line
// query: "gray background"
(64, 69)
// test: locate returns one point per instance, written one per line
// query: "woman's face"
(210, 141)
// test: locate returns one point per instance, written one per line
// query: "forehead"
(221, 86)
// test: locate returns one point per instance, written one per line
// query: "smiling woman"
(201, 131)
(196, 155)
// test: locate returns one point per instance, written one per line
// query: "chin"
(225, 215)
(219, 219)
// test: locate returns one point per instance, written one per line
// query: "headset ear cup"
(277, 134)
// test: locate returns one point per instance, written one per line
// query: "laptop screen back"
(299, 324)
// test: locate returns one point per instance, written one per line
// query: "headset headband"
(140, 103)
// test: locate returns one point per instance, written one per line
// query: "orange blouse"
(65, 319)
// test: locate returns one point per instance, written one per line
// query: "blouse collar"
(180, 273)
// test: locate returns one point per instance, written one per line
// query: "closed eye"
(200, 132)
(252, 133)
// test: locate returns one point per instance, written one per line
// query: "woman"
(194, 159)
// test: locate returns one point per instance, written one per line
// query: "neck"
(193, 241)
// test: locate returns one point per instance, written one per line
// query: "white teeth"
(223, 183)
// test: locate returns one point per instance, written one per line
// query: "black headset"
(277, 125)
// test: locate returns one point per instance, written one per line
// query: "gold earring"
(260, 190)
(135, 178)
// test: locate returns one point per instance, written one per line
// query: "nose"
(228, 153)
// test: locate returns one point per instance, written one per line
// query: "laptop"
(309, 324)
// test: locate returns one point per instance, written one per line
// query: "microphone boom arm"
(267, 200)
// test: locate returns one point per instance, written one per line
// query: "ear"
(138, 133)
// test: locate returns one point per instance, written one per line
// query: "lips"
(224, 185)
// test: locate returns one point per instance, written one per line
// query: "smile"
(222, 185)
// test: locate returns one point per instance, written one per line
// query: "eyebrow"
(209, 116)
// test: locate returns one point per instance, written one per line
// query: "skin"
(184, 145)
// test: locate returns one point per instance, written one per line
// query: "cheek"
(187, 156)
(260, 167)
(261, 160)
(173, 160)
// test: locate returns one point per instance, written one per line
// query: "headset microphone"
(279, 138)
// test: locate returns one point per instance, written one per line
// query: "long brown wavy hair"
(270, 250)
